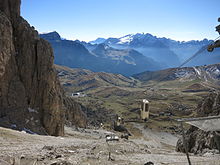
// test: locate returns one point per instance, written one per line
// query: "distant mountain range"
(165, 50)
(146, 44)
(100, 57)
(130, 54)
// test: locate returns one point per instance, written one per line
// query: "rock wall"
(30, 93)
(197, 139)
(74, 114)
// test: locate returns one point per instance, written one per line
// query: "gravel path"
(88, 147)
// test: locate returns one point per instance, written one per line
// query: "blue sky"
(88, 19)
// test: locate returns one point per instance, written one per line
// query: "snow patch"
(197, 71)
(13, 126)
(25, 130)
(217, 71)
(32, 110)
(106, 47)
(61, 73)
(182, 74)
(126, 39)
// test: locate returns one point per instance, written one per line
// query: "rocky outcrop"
(11, 8)
(30, 93)
(197, 139)
(74, 114)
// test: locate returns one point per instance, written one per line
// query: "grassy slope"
(123, 98)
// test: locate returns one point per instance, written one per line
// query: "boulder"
(199, 140)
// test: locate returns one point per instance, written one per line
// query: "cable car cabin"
(144, 109)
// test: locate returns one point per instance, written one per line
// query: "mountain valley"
(102, 57)
(106, 95)
(104, 102)
(113, 94)
(172, 91)
(164, 49)
(130, 54)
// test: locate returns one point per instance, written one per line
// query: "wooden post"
(109, 153)
(185, 144)
(109, 156)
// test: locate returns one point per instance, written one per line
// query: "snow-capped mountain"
(98, 57)
(165, 50)
(127, 55)
(147, 44)
(134, 40)
(126, 39)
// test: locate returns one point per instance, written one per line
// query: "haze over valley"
(127, 97)
(130, 54)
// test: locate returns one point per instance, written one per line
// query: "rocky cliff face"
(74, 113)
(30, 94)
(199, 140)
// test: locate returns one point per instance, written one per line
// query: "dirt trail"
(88, 147)
(155, 139)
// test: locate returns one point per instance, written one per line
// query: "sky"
(87, 20)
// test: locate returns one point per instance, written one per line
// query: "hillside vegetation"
(172, 93)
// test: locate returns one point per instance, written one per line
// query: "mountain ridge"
(117, 55)
(183, 49)
(82, 80)
(102, 58)
(205, 73)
